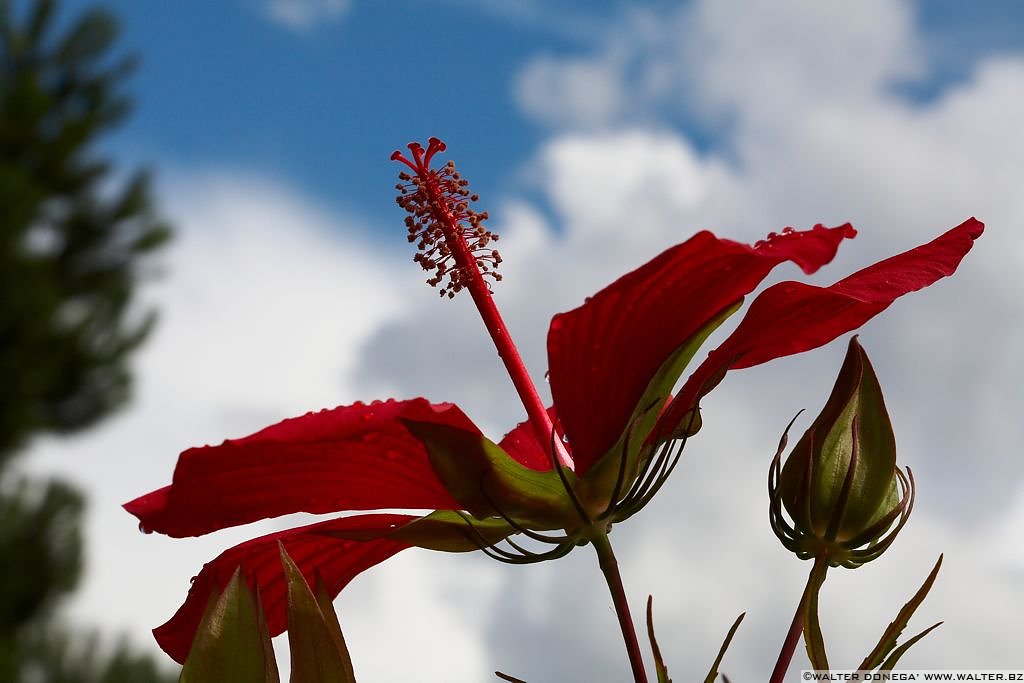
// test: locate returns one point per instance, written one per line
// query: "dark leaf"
(888, 640)
(721, 653)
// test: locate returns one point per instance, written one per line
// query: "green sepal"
(659, 663)
(318, 651)
(488, 482)
(598, 483)
(232, 642)
(444, 530)
(887, 642)
(813, 640)
(814, 479)
(450, 532)
(713, 673)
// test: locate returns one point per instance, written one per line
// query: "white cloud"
(266, 301)
(577, 92)
(813, 133)
(303, 15)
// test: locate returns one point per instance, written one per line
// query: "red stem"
(796, 628)
(507, 350)
(610, 569)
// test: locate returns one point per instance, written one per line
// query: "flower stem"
(610, 569)
(507, 351)
(509, 355)
(797, 627)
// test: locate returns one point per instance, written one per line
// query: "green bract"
(840, 486)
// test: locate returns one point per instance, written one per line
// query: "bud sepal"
(841, 486)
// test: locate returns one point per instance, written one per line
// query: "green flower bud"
(840, 486)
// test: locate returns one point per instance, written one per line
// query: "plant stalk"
(495, 324)
(610, 569)
(796, 628)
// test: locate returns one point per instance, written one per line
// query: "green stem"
(610, 569)
(797, 627)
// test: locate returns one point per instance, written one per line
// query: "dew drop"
(144, 529)
(367, 416)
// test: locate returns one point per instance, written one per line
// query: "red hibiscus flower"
(562, 477)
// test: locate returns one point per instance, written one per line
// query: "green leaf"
(659, 663)
(326, 604)
(901, 650)
(318, 650)
(888, 640)
(598, 482)
(721, 652)
(813, 640)
(232, 643)
(488, 482)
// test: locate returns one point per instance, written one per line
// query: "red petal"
(522, 444)
(792, 317)
(336, 561)
(603, 354)
(358, 457)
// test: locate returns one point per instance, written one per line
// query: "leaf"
(317, 647)
(232, 643)
(506, 677)
(813, 640)
(659, 663)
(888, 640)
(326, 604)
(902, 649)
(721, 653)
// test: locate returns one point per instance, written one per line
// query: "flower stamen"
(449, 235)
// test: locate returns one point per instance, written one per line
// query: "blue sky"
(597, 134)
(320, 104)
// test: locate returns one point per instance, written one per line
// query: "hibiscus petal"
(603, 354)
(336, 561)
(792, 317)
(358, 457)
(525, 448)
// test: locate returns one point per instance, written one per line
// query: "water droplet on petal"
(367, 416)
(144, 529)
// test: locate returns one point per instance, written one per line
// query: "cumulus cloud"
(266, 301)
(812, 129)
(809, 129)
(303, 15)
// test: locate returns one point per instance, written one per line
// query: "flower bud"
(840, 486)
